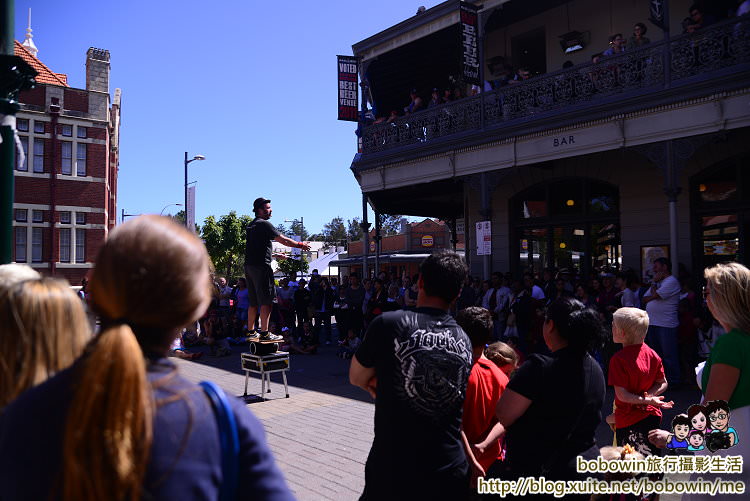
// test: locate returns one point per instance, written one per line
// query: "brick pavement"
(321, 435)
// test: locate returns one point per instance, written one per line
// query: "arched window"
(571, 223)
(720, 203)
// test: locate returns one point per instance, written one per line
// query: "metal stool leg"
(262, 384)
(247, 376)
(286, 387)
(268, 375)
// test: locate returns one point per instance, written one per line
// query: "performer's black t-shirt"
(258, 248)
(422, 361)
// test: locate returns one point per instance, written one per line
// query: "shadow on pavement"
(322, 372)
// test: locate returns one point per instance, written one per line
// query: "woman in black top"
(378, 302)
(552, 405)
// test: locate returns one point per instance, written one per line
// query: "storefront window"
(721, 186)
(534, 204)
(569, 223)
(720, 238)
(566, 198)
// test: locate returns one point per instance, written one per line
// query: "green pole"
(15, 76)
(7, 133)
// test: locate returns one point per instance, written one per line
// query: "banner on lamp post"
(470, 42)
(190, 209)
(296, 251)
(348, 67)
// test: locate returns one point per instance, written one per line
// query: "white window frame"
(22, 125)
(25, 144)
(21, 231)
(82, 132)
(66, 128)
(35, 213)
(37, 244)
(38, 155)
(66, 158)
(81, 159)
(75, 249)
(38, 123)
(67, 247)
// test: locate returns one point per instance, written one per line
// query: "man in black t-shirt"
(416, 365)
(258, 273)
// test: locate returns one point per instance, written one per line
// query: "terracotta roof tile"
(46, 75)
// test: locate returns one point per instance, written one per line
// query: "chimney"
(97, 70)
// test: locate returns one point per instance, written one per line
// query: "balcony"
(716, 59)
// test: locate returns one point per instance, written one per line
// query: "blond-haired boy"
(637, 374)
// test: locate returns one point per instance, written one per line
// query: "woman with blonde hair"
(121, 423)
(726, 374)
(43, 329)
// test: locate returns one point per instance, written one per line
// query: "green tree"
(179, 218)
(298, 229)
(282, 229)
(334, 232)
(290, 267)
(225, 241)
(354, 230)
(390, 224)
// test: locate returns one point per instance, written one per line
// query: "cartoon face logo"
(681, 431)
(696, 439)
(719, 419)
(699, 421)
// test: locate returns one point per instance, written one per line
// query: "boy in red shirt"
(637, 374)
(486, 383)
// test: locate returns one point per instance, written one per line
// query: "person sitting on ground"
(504, 356)
(486, 384)
(349, 345)
(637, 375)
(177, 349)
(638, 39)
(307, 343)
(121, 421)
(43, 329)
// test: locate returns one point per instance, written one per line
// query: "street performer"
(258, 273)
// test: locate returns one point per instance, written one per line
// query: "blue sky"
(251, 85)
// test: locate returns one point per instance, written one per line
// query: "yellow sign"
(428, 241)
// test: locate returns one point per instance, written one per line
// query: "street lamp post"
(301, 224)
(170, 205)
(196, 157)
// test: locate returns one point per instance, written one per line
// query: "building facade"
(401, 253)
(66, 183)
(589, 164)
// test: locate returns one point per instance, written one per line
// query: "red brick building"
(66, 186)
(402, 253)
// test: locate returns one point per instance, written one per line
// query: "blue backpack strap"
(228, 439)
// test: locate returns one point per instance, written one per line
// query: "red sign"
(348, 89)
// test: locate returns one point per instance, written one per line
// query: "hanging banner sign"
(484, 238)
(348, 89)
(470, 42)
(190, 212)
(296, 251)
(428, 241)
(656, 11)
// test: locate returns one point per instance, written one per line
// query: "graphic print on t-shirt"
(433, 372)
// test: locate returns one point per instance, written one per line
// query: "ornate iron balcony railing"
(680, 61)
